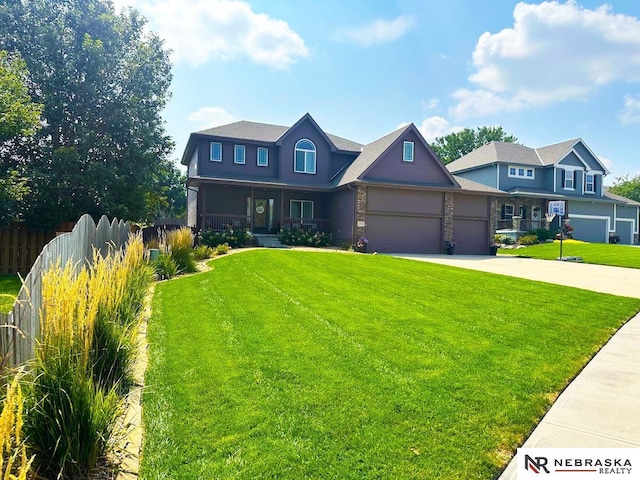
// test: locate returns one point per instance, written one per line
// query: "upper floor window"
(305, 157)
(216, 152)
(589, 183)
(238, 154)
(521, 172)
(569, 179)
(262, 159)
(407, 152)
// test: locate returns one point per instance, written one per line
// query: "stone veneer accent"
(448, 217)
(494, 215)
(361, 211)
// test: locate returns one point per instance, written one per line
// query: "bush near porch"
(297, 237)
(233, 238)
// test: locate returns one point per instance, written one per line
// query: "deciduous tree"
(627, 186)
(103, 82)
(455, 145)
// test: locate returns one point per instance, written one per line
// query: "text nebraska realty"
(620, 466)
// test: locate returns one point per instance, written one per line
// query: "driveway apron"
(601, 407)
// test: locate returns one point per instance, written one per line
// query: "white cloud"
(631, 111)
(434, 127)
(430, 104)
(554, 52)
(378, 31)
(209, 117)
(199, 31)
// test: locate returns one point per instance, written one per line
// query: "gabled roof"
(470, 185)
(264, 132)
(495, 152)
(502, 152)
(373, 152)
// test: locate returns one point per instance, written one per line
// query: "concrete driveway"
(601, 407)
(599, 278)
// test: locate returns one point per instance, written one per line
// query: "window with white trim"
(569, 179)
(589, 183)
(304, 160)
(407, 151)
(508, 211)
(522, 172)
(215, 154)
(262, 157)
(301, 209)
(238, 154)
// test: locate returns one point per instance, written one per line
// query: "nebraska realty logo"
(582, 463)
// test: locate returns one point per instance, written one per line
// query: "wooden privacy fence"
(20, 328)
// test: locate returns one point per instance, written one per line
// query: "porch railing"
(222, 222)
(525, 224)
(307, 224)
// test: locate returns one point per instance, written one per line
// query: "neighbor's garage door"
(404, 234)
(471, 237)
(589, 229)
(625, 231)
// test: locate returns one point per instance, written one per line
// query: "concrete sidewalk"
(601, 407)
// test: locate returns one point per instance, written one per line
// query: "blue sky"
(545, 71)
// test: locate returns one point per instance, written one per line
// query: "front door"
(262, 215)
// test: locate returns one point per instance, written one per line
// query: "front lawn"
(597, 253)
(9, 288)
(291, 364)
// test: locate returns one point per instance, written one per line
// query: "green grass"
(9, 288)
(289, 364)
(596, 253)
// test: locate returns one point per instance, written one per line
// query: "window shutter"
(503, 212)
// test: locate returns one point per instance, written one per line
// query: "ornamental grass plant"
(180, 243)
(14, 461)
(84, 360)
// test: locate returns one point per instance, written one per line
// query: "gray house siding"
(323, 156)
(339, 161)
(207, 168)
(627, 212)
(587, 157)
(571, 160)
(486, 175)
(424, 168)
(342, 211)
(508, 183)
(588, 208)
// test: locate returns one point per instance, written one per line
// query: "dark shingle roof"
(467, 184)
(619, 198)
(264, 132)
(370, 153)
(552, 153)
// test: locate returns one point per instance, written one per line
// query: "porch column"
(448, 217)
(361, 211)
(281, 207)
(204, 205)
(516, 222)
(251, 211)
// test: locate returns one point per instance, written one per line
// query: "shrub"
(180, 243)
(234, 238)
(294, 236)
(202, 252)
(542, 234)
(222, 249)
(504, 239)
(528, 240)
(165, 267)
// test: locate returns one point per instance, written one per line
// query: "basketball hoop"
(550, 217)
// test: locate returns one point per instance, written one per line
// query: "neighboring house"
(532, 177)
(394, 191)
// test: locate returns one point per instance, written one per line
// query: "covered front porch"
(261, 210)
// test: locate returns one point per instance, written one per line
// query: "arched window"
(304, 160)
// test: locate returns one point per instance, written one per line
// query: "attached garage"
(624, 230)
(404, 220)
(590, 229)
(471, 236)
(404, 234)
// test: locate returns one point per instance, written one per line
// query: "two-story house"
(532, 177)
(394, 191)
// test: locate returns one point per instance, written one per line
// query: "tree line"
(82, 89)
